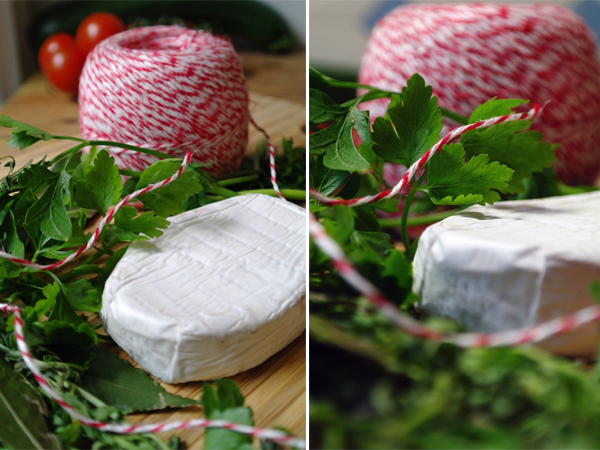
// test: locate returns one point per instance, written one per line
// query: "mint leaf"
(101, 185)
(417, 122)
(119, 384)
(322, 108)
(166, 201)
(227, 403)
(451, 182)
(130, 228)
(23, 135)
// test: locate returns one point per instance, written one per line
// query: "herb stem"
(419, 220)
(241, 173)
(238, 180)
(130, 173)
(454, 116)
(403, 222)
(212, 188)
(290, 194)
(130, 147)
(69, 152)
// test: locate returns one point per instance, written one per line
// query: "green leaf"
(82, 295)
(50, 213)
(22, 413)
(72, 344)
(494, 108)
(322, 108)
(23, 135)
(337, 144)
(451, 182)
(119, 384)
(343, 155)
(112, 261)
(62, 310)
(227, 403)
(509, 144)
(166, 201)
(37, 177)
(417, 124)
(10, 239)
(130, 227)
(101, 185)
(324, 179)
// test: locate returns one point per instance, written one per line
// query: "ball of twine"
(470, 53)
(169, 89)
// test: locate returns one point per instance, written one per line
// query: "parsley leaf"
(227, 403)
(417, 122)
(322, 108)
(336, 141)
(509, 144)
(451, 182)
(101, 185)
(23, 135)
(166, 201)
(324, 179)
(129, 227)
(50, 212)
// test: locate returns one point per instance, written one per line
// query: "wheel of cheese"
(221, 291)
(514, 264)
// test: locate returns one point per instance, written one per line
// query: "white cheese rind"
(514, 264)
(221, 291)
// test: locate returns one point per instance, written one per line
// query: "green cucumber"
(250, 24)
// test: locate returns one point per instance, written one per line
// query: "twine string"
(536, 333)
(418, 165)
(124, 428)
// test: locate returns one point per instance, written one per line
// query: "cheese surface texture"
(514, 264)
(221, 291)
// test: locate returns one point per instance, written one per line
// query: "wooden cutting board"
(275, 390)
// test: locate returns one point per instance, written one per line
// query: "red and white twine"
(472, 52)
(124, 428)
(503, 338)
(418, 165)
(169, 89)
(105, 220)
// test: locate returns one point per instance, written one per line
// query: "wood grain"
(275, 390)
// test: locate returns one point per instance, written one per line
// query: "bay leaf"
(118, 383)
(22, 413)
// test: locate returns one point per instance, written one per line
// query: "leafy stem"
(403, 223)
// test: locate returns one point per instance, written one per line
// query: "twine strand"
(406, 323)
(125, 428)
(418, 165)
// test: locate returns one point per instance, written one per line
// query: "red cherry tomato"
(63, 69)
(53, 44)
(95, 28)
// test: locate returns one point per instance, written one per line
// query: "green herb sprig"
(45, 208)
(372, 385)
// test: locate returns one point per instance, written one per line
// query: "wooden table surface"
(275, 390)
